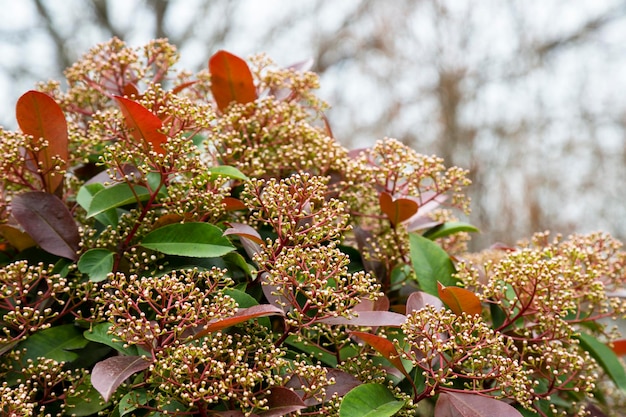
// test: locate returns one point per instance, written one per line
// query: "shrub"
(201, 245)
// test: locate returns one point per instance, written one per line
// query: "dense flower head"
(156, 311)
(461, 349)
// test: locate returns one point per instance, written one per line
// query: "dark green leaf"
(201, 240)
(55, 343)
(115, 196)
(450, 228)
(100, 334)
(97, 263)
(369, 400)
(605, 357)
(85, 400)
(132, 400)
(431, 264)
(84, 198)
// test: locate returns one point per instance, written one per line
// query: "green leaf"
(133, 400)
(97, 263)
(431, 264)
(369, 400)
(84, 198)
(200, 240)
(228, 172)
(449, 228)
(85, 400)
(100, 334)
(312, 350)
(115, 196)
(605, 357)
(55, 343)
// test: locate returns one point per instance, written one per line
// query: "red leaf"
(398, 210)
(381, 304)
(243, 230)
(459, 300)
(231, 80)
(40, 116)
(110, 373)
(369, 318)
(619, 347)
(281, 402)
(419, 299)
(143, 124)
(456, 404)
(46, 219)
(240, 316)
(233, 204)
(385, 348)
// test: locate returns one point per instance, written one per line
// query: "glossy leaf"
(56, 343)
(431, 264)
(369, 400)
(18, 239)
(85, 400)
(398, 210)
(282, 401)
(84, 198)
(619, 347)
(110, 373)
(40, 116)
(419, 299)
(115, 196)
(233, 204)
(227, 171)
(48, 221)
(243, 230)
(200, 240)
(460, 300)
(369, 318)
(132, 400)
(385, 348)
(144, 125)
(449, 228)
(97, 264)
(231, 80)
(456, 404)
(100, 334)
(242, 315)
(605, 357)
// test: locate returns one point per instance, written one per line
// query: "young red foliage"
(460, 300)
(142, 123)
(231, 80)
(40, 116)
(397, 210)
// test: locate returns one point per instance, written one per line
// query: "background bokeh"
(530, 95)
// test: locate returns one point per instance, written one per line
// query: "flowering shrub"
(177, 244)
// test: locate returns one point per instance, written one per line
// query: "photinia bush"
(177, 244)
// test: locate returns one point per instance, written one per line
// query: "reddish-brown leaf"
(397, 210)
(233, 204)
(240, 316)
(110, 373)
(619, 347)
(384, 347)
(456, 404)
(419, 299)
(40, 116)
(231, 80)
(243, 230)
(459, 300)
(48, 221)
(281, 402)
(369, 318)
(144, 125)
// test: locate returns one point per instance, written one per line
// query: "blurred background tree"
(527, 94)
